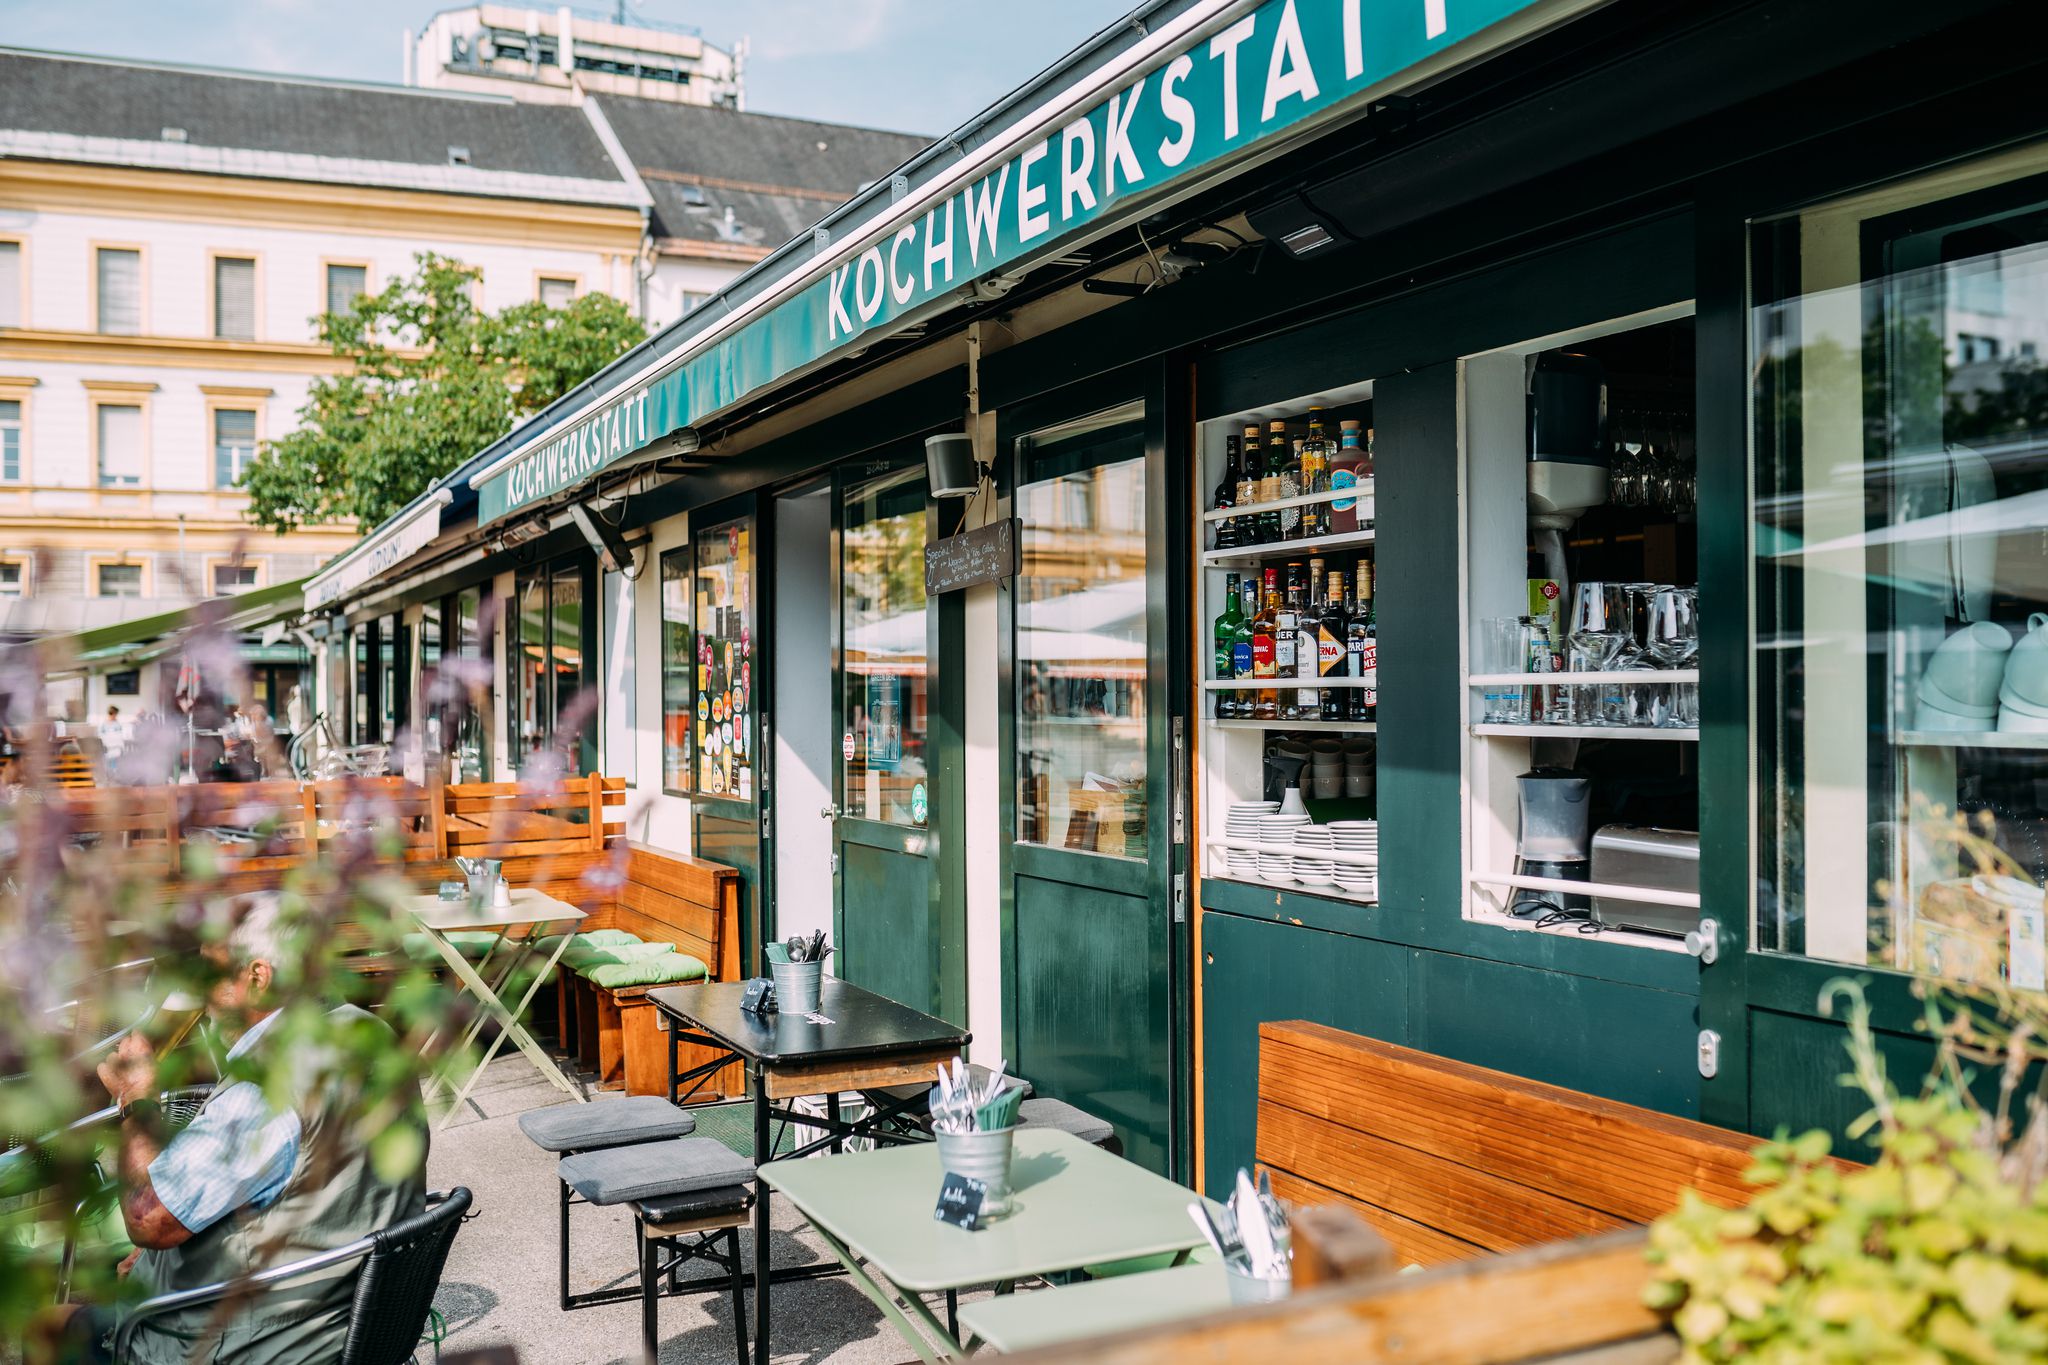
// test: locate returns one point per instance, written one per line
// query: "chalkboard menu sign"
(961, 1200)
(984, 555)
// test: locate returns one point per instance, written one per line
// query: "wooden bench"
(1450, 1161)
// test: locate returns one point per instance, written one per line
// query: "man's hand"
(129, 1072)
(128, 1263)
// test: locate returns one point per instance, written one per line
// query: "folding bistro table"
(531, 914)
(856, 1040)
(1072, 1205)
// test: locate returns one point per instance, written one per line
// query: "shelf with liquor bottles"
(1581, 565)
(1290, 697)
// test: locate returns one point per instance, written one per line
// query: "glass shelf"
(1586, 731)
(1361, 491)
(1968, 739)
(1357, 727)
(1278, 684)
(1255, 555)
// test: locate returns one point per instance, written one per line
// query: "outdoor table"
(1072, 1205)
(1053, 1317)
(866, 1043)
(531, 913)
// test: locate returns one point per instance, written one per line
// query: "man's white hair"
(259, 933)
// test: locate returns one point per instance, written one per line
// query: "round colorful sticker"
(919, 805)
(846, 746)
(726, 731)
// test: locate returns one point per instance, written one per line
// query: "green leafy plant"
(430, 379)
(1937, 1251)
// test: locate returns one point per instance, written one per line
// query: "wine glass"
(1675, 643)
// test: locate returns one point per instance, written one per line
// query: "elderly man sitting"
(244, 1186)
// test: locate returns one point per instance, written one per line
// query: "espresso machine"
(1555, 840)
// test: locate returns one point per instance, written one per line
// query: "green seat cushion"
(471, 943)
(624, 952)
(662, 970)
(585, 947)
(1138, 1265)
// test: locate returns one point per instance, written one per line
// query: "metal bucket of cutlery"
(983, 1156)
(797, 985)
(1246, 1288)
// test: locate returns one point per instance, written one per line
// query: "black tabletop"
(863, 1024)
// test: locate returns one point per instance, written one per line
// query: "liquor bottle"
(1259, 457)
(1308, 701)
(1226, 496)
(1287, 455)
(1344, 467)
(1241, 641)
(1333, 649)
(1266, 648)
(1362, 641)
(1225, 634)
(1248, 492)
(1287, 641)
(1315, 475)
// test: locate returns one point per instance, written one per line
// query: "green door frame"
(1164, 387)
(755, 881)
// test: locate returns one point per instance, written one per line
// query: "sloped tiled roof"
(777, 175)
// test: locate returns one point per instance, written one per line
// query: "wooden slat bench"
(1450, 1161)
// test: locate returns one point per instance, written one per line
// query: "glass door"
(1090, 994)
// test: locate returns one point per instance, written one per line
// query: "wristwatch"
(144, 1107)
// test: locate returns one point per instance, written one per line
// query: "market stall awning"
(1206, 88)
(128, 643)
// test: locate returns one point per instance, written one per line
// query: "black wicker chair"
(394, 1289)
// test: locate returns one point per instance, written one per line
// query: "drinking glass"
(1597, 634)
(1500, 651)
(1675, 643)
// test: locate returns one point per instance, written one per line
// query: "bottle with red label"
(1362, 642)
(1265, 658)
(1333, 649)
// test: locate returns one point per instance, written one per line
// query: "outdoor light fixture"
(950, 466)
(520, 532)
(1299, 226)
(613, 554)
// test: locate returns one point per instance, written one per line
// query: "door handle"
(1704, 942)
(831, 812)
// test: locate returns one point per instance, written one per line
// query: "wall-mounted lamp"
(950, 466)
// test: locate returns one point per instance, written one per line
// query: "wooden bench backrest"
(1449, 1160)
(671, 897)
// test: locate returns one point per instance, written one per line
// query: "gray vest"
(332, 1198)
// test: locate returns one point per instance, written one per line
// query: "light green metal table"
(1053, 1317)
(1072, 1205)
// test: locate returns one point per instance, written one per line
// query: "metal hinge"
(1710, 1053)
(1180, 898)
(1180, 786)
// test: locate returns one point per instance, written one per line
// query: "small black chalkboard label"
(759, 996)
(960, 1201)
(984, 555)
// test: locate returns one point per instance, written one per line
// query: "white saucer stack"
(1310, 870)
(1241, 825)
(1360, 837)
(1278, 829)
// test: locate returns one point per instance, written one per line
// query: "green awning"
(127, 643)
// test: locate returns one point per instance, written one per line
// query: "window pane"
(120, 580)
(359, 730)
(120, 433)
(387, 679)
(557, 293)
(345, 284)
(234, 445)
(233, 578)
(1902, 486)
(10, 580)
(466, 689)
(10, 440)
(120, 291)
(10, 284)
(565, 661)
(882, 615)
(234, 298)
(725, 665)
(1081, 640)
(677, 657)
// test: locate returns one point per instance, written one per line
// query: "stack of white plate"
(1241, 826)
(1358, 837)
(1309, 869)
(1278, 829)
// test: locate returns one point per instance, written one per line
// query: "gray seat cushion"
(620, 1175)
(677, 1208)
(605, 1123)
(1065, 1117)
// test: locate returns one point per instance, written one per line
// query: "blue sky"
(917, 65)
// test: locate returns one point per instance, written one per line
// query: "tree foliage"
(432, 379)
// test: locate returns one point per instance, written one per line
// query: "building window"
(126, 683)
(120, 580)
(1975, 350)
(549, 645)
(346, 284)
(723, 607)
(13, 579)
(234, 444)
(555, 292)
(120, 440)
(10, 440)
(229, 579)
(10, 284)
(234, 298)
(120, 291)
